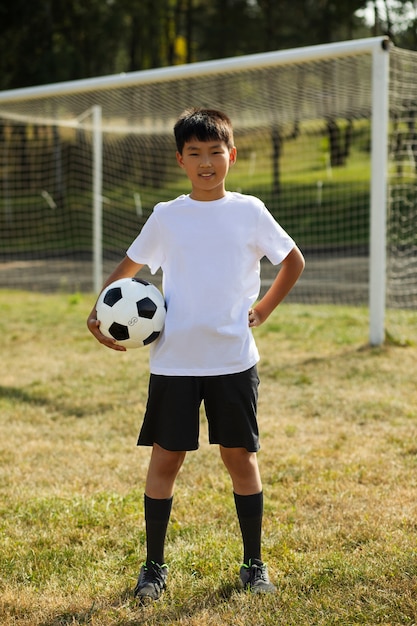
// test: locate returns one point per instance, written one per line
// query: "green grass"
(321, 206)
(338, 460)
(28, 223)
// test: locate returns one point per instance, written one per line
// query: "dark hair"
(203, 125)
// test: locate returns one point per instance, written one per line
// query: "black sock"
(157, 513)
(250, 512)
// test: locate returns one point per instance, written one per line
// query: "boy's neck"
(207, 196)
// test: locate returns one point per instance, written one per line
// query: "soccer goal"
(326, 136)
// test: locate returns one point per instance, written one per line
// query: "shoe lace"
(152, 573)
(257, 572)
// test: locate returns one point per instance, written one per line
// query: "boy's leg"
(159, 489)
(243, 469)
(247, 486)
(162, 472)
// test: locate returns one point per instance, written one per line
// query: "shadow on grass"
(133, 613)
(18, 395)
(280, 372)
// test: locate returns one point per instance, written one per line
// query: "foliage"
(56, 40)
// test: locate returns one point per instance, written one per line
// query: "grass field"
(338, 458)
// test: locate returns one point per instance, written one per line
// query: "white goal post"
(325, 136)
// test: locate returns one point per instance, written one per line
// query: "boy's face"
(206, 164)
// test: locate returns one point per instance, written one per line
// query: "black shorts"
(172, 417)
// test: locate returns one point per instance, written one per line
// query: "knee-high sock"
(157, 514)
(250, 512)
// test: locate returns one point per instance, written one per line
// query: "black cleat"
(254, 577)
(151, 582)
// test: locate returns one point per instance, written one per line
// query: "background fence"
(82, 164)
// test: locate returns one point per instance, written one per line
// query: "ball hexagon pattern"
(132, 311)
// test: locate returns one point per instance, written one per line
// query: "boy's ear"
(179, 158)
(233, 155)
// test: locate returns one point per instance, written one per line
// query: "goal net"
(322, 139)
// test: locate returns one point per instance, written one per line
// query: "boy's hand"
(126, 269)
(254, 318)
(93, 326)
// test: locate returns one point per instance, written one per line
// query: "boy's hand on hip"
(254, 318)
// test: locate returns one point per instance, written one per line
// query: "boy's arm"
(291, 268)
(126, 269)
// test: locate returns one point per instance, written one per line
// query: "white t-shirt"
(210, 255)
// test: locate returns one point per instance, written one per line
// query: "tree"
(54, 40)
(308, 22)
(397, 19)
(25, 43)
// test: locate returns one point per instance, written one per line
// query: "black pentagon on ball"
(146, 308)
(119, 331)
(151, 338)
(112, 296)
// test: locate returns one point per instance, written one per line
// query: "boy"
(209, 245)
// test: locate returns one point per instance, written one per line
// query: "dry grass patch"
(338, 460)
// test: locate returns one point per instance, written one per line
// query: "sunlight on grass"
(338, 461)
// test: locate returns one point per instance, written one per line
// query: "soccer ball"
(132, 311)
